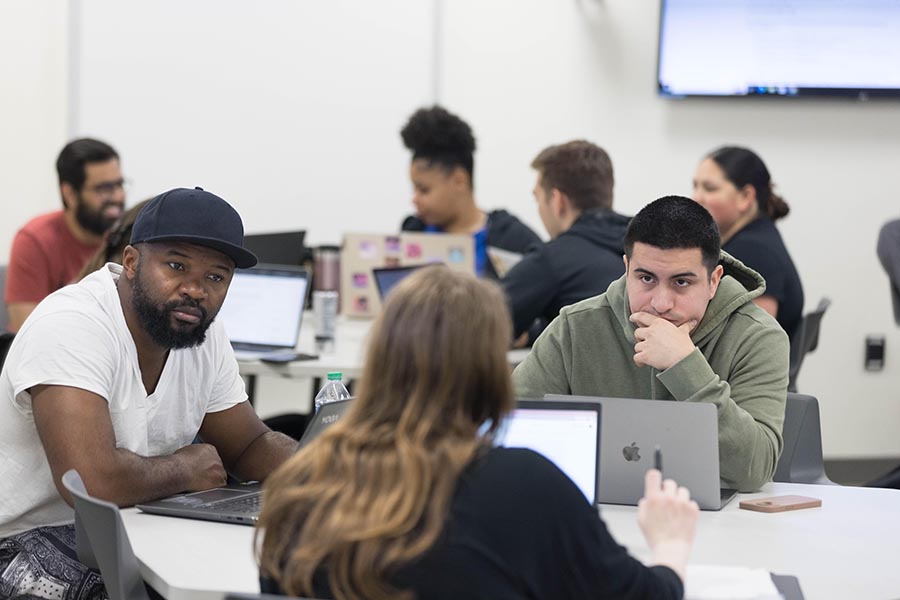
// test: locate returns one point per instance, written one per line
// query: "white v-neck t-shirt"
(77, 337)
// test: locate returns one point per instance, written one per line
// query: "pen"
(657, 460)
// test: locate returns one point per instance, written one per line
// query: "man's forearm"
(264, 455)
(127, 478)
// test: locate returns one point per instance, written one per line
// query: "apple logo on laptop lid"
(632, 452)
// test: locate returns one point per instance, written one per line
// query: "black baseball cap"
(197, 217)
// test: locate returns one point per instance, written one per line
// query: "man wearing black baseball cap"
(116, 375)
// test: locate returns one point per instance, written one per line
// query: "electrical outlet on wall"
(874, 357)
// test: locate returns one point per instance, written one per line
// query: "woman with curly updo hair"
(442, 174)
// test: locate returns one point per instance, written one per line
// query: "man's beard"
(94, 221)
(156, 318)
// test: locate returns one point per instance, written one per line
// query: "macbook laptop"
(686, 432)
(387, 277)
(567, 433)
(263, 309)
(363, 252)
(238, 503)
(282, 248)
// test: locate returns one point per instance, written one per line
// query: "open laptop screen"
(264, 306)
(283, 248)
(388, 277)
(566, 435)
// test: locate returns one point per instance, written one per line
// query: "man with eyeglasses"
(50, 250)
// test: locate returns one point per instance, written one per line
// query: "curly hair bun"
(436, 132)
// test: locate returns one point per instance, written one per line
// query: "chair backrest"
(101, 541)
(4, 315)
(6, 340)
(806, 339)
(801, 458)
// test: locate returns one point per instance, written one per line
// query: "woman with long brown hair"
(406, 497)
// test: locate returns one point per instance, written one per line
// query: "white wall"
(289, 110)
(524, 73)
(33, 109)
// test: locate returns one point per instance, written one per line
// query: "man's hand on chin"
(660, 343)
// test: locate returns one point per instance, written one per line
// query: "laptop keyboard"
(245, 505)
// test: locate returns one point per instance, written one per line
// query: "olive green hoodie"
(740, 364)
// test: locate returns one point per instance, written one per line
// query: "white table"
(848, 548)
(346, 356)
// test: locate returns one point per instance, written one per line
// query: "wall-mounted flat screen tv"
(779, 48)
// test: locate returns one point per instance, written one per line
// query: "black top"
(760, 247)
(504, 231)
(520, 529)
(581, 262)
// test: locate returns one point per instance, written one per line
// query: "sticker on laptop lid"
(360, 280)
(368, 250)
(413, 250)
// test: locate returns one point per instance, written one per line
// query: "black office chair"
(806, 339)
(801, 458)
(890, 480)
(6, 340)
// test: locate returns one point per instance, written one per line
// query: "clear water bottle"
(332, 391)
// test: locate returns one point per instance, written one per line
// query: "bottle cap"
(335, 375)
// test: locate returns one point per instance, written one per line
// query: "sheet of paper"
(707, 582)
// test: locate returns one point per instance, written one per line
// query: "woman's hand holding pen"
(668, 518)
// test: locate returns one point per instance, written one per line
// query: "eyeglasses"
(108, 188)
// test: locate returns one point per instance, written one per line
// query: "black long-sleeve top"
(519, 528)
(759, 246)
(580, 263)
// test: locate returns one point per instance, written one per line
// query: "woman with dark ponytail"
(734, 185)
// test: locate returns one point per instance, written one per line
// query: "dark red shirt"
(45, 256)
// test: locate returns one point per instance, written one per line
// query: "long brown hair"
(372, 493)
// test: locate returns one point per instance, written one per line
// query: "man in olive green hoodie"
(679, 325)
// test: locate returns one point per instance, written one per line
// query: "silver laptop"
(686, 432)
(239, 503)
(329, 414)
(567, 433)
(263, 309)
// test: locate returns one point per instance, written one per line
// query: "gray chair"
(806, 340)
(102, 542)
(801, 458)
